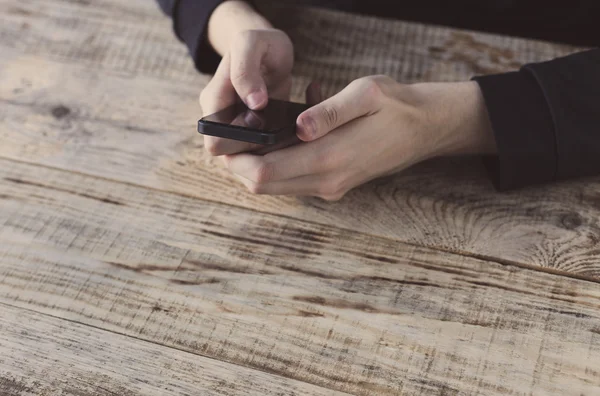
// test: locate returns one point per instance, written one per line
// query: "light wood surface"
(125, 249)
(93, 361)
(336, 308)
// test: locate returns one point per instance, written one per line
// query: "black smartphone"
(273, 125)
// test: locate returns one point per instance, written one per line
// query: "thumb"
(247, 54)
(332, 113)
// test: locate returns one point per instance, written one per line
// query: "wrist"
(457, 119)
(230, 18)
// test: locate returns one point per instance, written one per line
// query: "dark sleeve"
(190, 20)
(546, 120)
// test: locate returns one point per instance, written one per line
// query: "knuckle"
(383, 79)
(246, 36)
(372, 89)
(375, 87)
(333, 189)
(240, 74)
(255, 188)
(330, 115)
(263, 173)
(358, 83)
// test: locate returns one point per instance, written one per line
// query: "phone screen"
(277, 115)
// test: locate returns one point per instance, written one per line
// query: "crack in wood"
(79, 194)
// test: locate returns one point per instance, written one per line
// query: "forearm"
(231, 18)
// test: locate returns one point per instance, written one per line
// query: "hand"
(372, 128)
(258, 65)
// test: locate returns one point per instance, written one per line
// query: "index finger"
(218, 94)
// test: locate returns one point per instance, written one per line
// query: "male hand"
(257, 65)
(372, 128)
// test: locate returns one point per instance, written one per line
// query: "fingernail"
(307, 128)
(252, 120)
(254, 100)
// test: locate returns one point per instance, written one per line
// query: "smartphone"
(273, 125)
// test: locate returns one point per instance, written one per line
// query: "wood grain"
(337, 47)
(130, 38)
(133, 38)
(336, 308)
(115, 221)
(44, 355)
(142, 131)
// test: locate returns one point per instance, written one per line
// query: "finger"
(330, 114)
(287, 163)
(220, 146)
(313, 93)
(282, 90)
(249, 119)
(246, 60)
(302, 186)
(219, 93)
(254, 120)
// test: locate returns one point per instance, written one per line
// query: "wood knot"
(571, 221)
(60, 112)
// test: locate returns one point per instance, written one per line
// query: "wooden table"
(131, 263)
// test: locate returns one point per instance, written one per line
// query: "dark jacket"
(545, 116)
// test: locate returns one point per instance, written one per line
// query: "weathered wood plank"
(337, 47)
(134, 38)
(336, 308)
(130, 38)
(74, 118)
(44, 355)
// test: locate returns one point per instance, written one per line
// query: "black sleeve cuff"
(571, 86)
(523, 128)
(190, 19)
